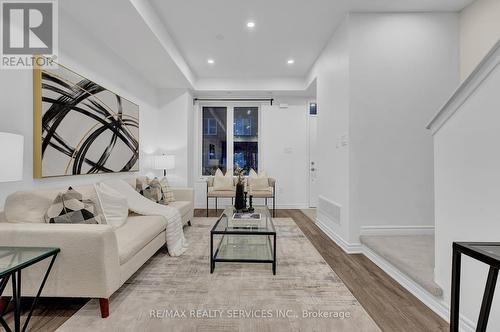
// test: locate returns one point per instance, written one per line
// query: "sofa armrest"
(183, 194)
(272, 182)
(210, 181)
(87, 266)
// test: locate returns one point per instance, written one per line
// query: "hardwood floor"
(390, 305)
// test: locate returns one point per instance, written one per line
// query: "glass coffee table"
(12, 261)
(243, 241)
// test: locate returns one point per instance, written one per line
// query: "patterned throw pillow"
(150, 189)
(69, 207)
(141, 183)
(166, 191)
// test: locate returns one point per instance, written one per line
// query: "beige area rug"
(311, 213)
(180, 294)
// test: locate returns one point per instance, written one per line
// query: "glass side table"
(12, 261)
(486, 252)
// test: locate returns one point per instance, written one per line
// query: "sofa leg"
(207, 205)
(4, 303)
(104, 304)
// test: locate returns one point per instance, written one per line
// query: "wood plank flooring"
(390, 305)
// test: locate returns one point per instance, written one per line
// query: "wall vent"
(329, 209)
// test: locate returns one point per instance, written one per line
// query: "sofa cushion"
(262, 193)
(184, 207)
(137, 232)
(30, 206)
(220, 193)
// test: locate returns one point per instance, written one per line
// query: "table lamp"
(164, 162)
(11, 157)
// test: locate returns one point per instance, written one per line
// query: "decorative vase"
(239, 201)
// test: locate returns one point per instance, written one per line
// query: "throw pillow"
(141, 183)
(153, 191)
(258, 181)
(114, 205)
(150, 189)
(69, 207)
(223, 183)
(166, 191)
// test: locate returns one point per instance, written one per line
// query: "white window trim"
(198, 132)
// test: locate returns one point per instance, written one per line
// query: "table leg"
(16, 297)
(455, 291)
(274, 255)
(3, 284)
(35, 300)
(212, 253)
(489, 291)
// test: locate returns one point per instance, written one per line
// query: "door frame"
(309, 116)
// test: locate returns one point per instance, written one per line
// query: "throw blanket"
(176, 242)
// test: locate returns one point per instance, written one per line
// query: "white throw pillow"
(218, 172)
(223, 183)
(258, 181)
(114, 205)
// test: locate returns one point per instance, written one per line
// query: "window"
(222, 147)
(211, 127)
(214, 149)
(246, 138)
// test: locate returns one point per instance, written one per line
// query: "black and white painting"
(86, 129)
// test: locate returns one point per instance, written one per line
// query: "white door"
(313, 167)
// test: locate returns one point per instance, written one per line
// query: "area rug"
(180, 294)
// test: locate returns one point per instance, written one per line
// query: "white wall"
(379, 80)
(81, 53)
(402, 68)
(467, 190)
(175, 125)
(479, 31)
(331, 71)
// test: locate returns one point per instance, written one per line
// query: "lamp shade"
(11, 157)
(164, 162)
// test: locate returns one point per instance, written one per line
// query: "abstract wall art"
(81, 127)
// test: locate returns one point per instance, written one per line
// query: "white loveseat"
(95, 260)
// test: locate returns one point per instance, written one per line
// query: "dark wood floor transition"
(390, 305)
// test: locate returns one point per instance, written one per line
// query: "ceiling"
(168, 43)
(285, 29)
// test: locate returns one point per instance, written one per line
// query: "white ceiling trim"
(152, 20)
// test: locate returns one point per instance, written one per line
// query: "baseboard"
(350, 248)
(397, 230)
(436, 304)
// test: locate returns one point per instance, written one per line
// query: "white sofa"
(95, 260)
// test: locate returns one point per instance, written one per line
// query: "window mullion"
(230, 137)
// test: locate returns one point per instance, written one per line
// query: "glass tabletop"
(492, 250)
(260, 222)
(13, 258)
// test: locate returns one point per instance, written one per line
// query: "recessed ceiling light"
(210, 61)
(291, 61)
(251, 24)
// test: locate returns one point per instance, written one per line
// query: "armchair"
(266, 193)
